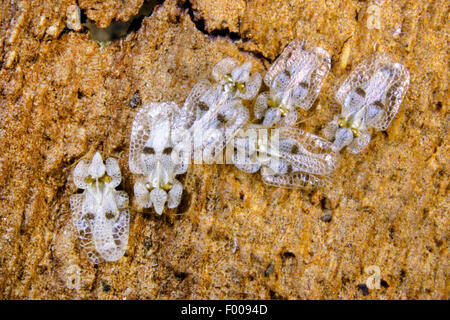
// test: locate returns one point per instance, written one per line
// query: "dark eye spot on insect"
(167, 150)
(203, 106)
(304, 85)
(379, 104)
(89, 216)
(289, 55)
(222, 119)
(360, 91)
(289, 169)
(109, 215)
(149, 150)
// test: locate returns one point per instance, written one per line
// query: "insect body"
(370, 98)
(294, 81)
(100, 213)
(236, 81)
(159, 152)
(287, 157)
(218, 107)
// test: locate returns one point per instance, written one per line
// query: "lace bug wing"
(141, 193)
(280, 63)
(391, 94)
(174, 195)
(357, 78)
(110, 226)
(307, 152)
(194, 106)
(113, 170)
(359, 144)
(393, 97)
(321, 60)
(252, 87)
(140, 133)
(230, 119)
(224, 67)
(310, 160)
(260, 106)
(83, 226)
(121, 226)
(80, 173)
(218, 125)
(236, 115)
(329, 131)
(247, 166)
(242, 150)
(294, 180)
(143, 122)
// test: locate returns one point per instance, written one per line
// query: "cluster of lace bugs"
(214, 116)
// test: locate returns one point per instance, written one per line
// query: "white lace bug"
(236, 81)
(292, 158)
(218, 107)
(100, 214)
(159, 151)
(370, 98)
(294, 81)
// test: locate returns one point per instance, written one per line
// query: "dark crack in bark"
(234, 37)
(119, 29)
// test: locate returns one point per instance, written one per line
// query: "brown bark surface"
(63, 96)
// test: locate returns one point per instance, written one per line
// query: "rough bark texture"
(64, 96)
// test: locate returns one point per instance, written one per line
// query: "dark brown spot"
(304, 85)
(326, 217)
(402, 275)
(379, 104)
(363, 288)
(89, 216)
(289, 169)
(167, 150)
(361, 92)
(294, 149)
(325, 203)
(203, 106)
(287, 255)
(148, 243)
(221, 118)
(269, 269)
(109, 215)
(185, 203)
(148, 150)
(180, 275)
(275, 295)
